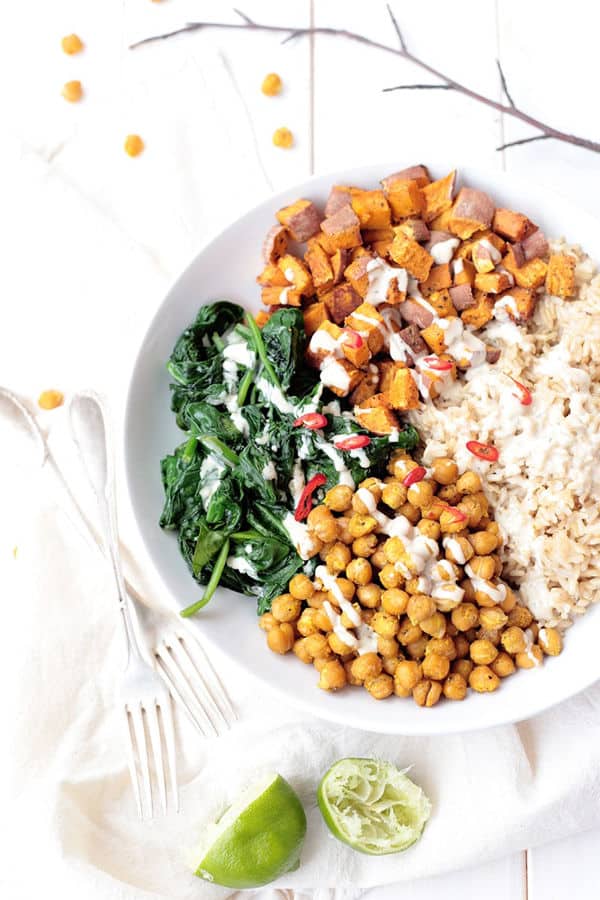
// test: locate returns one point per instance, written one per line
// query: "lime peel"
(372, 805)
(257, 839)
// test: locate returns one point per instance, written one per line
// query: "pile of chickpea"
(422, 651)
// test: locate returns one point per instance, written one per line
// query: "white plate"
(227, 268)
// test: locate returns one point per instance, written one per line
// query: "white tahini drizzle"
(443, 250)
(380, 276)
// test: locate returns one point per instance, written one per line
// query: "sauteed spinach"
(229, 486)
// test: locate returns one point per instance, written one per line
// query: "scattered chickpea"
(394, 601)
(503, 665)
(465, 616)
(531, 658)
(435, 666)
(365, 546)
(463, 667)
(339, 498)
(366, 666)
(385, 625)
(338, 646)
(550, 641)
(435, 625)
(416, 649)
(520, 616)
(462, 646)
(427, 693)
(321, 621)
(317, 646)
(369, 595)
(408, 674)
(444, 646)
(420, 494)
(322, 522)
(430, 529)
(71, 44)
(283, 137)
(492, 618)
(301, 587)
(410, 512)
(483, 567)
(380, 687)
(271, 85)
(483, 680)
(389, 664)
(483, 542)
(408, 633)
(444, 470)
(285, 608)
(455, 687)
(133, 145)
(281, 638)
(338, 557)
(420, 607)
(267, 621)
(394, 495)
(332, 676)
(387, 647)
(301, 652)
(359, 571)
(469, 483)
(72, 91)
(50, 399)
(361, 525)
(378, 559)
(389, 576)
(483, 652)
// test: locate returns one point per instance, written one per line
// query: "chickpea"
(71, 44)
(301, 652)
(394, 495)
(469, 483)
(450, 494)
(483, 502)
(408, 633)
(408, 674)
(464, 550)
(321, 620)
(283, 137)
(389, 576)
(455, 687)
(347, 622)
(332, 676)
(321, 661)
(483, 567)
(380, 687)
(343, 532)
(394, 549)
(394, 601)
(339, 498)
(483, 542)
(317, 599)
(435, 625)
(444, 470)
(430, 529)
(365, 546)
(317, 646)
(378, 558)
(361, 524)
(133, 145)
(472, 508)
(401, 464)
(530, 659)
(267, 621)
(358, 504)
(286, 608)
(520, 616)
(450, 523)
(389, 664)
(427, 693)
(444, 646)
(359, 571)
(410, 512)
(346, 587)
(483, 680)
(306, 623)
(349, 676)
(463, 667)
(492, 618)
(369, 595)
(503, 665)
(509, 602)
(434, 511)
(281, 638)
(413, 586)
(420, 494)
(387, 647)
(483, 652)
(550, 641)
(435, 666)
(325, 526)
(420, 607)
(301, 587)
(338, 646)
(385, 625)
(326, 550)
(416, 649)
(366, 666)
(465, 616)
(338, 558)
(271, 85)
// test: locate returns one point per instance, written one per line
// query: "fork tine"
(129, 743)
(154, 732)
(166, 669)
(193, 675)
(169, 736)
(142, 749)
(187, 640)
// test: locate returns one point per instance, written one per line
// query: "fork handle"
(91, 435)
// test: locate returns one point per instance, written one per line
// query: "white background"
(73, 202)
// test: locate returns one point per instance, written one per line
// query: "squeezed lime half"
(257, 839)
(372, 805)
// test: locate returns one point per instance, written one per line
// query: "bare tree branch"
(396, 27)
(505, 85)
(529, 140)
(547, 131)
(243, 16)
(419, 87)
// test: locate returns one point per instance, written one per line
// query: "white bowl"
(227, 268)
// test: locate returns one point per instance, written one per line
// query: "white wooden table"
(189, 183)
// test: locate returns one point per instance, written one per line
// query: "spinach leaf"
(208, 544)
(284, 340)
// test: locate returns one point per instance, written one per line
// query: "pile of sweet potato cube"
(502, 252)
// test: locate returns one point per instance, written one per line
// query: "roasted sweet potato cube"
(343, 229)
(272, 276)
(441, 222)
(483, 259)
(415, 229)
(356, 273)
(358, 356)
(411, 256)
(404, 393)
(511, 225)
(438, 196)
(365, 318)
(275, 243)
(462, 296)
(387, 370)
(463, 271)
(439, 278)
(301, 219)
(314, 315)
(535, 244)
(341, 301)
(320, 266)
(297, 274)
(413, 173)
(442, 303)
(473, 211)
(465, 250)
(480, 314)
(325, 340)
(340, 376)
(493, 282)
(324, 242)
(519, 303)
(405, 199)
(377, 234)
(382, 248)
(339, 261)
(530, 275)
(262, 317)
(435, 337)
(281, 296)
(364, 391)
(339, 196)
(560, 279)
(371, 207)
(376, 418)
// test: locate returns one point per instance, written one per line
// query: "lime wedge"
(372, 806)
(257, 839)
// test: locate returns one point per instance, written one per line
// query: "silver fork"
(145, 700)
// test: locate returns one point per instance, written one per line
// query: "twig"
(396, 27)
(504, 84)
(529, 140)
(243, 16)
(291, 31)
(419, 87)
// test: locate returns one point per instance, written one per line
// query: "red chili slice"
(305, 502)
(312, 420)
(483, 451)
(353, 442)
(416, 474)
(437, 364)
(524, 394)
(353, 338)
(457, 514)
